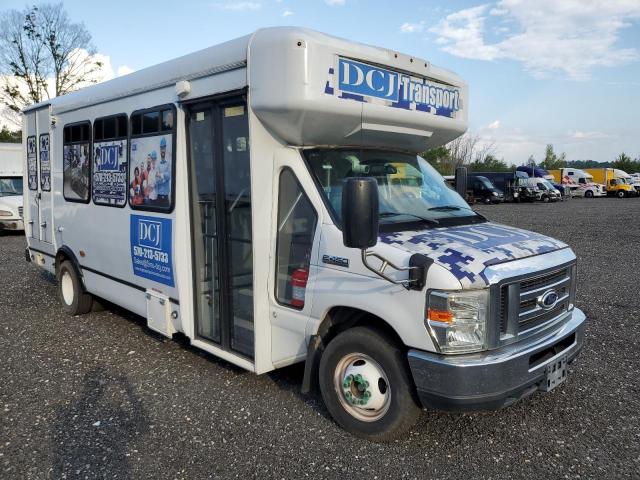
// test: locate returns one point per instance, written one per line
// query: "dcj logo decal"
(151, 252)
(363, 79)
(108, 158)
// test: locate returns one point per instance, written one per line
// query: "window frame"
(173, 132)
(277, 235)
(119, 137)
(90, 141)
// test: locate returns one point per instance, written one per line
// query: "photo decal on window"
(151, 171)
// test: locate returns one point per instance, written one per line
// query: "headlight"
(495, 194)
(457, 320)
(6, 213)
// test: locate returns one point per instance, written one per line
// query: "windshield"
(410, 190)
(485, 181)
(10, 186)
(546, 184)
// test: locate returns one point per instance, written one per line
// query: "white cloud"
(124, 70)
(578, 135)
(335, 2)
(494, 125)
(461, 34)
(408, 27)
(239, 6)
(547, 36)
(287, 13)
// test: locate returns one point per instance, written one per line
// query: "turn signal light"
(439, 315)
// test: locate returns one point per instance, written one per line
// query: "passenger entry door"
(220, 186)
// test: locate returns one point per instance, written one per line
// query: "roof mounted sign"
(373, 84)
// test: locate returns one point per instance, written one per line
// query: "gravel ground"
(102, 396)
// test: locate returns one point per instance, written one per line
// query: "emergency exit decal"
(151, 252)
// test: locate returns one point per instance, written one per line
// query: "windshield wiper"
(450, 208)
(431, 221)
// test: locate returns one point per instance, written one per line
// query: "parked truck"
(614, 180)
(537, 172)
(580, 183)
(11, 187)
(515, 185)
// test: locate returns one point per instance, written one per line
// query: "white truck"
(264, 197)
(11, 187)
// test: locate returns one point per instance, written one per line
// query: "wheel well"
(64, 254)
(339, 319)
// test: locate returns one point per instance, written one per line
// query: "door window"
(297, 221)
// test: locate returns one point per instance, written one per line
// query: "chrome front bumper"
(496, 378)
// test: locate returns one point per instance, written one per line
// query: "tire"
(588, 194)
(545, 199)
(620, 194)
(74, 298)
(396, 413)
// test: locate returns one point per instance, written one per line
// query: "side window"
(152, 164)
(296, 227)
(110, 161)
(77, 162)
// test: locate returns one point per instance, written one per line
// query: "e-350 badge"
(338, 261)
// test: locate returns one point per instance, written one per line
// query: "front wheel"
(588, 194)
(366, 385)
(620, 194)
(74, 298)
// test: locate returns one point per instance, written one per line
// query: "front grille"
(519, 311)
(20, 212)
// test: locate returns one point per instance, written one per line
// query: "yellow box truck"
(613, 180)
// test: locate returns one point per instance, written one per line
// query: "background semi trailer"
(614, 181)
(580, 183)
(11, 179)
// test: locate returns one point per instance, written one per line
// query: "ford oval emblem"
(548, 299)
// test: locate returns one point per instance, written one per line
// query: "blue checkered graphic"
(467, 250)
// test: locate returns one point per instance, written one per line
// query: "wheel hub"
(363, 387)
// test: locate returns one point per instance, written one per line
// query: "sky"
(565, 72)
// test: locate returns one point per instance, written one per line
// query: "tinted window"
(150, 122)
(76, 163)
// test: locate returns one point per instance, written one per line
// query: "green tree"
(489, 164)
(7, 136)
(42, 54)
(440, 159)
(624, 162)
(552, 161)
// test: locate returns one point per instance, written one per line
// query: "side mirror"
(360, 212)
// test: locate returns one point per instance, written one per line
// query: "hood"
(467, 250)
(13, 201)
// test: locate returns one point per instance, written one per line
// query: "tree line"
(43, 54)
(468, 151)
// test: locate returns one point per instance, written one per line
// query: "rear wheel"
(74, 298)
(366, 385)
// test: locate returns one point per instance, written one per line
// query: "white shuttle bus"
(264, 197)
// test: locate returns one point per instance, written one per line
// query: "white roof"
(296, 91)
